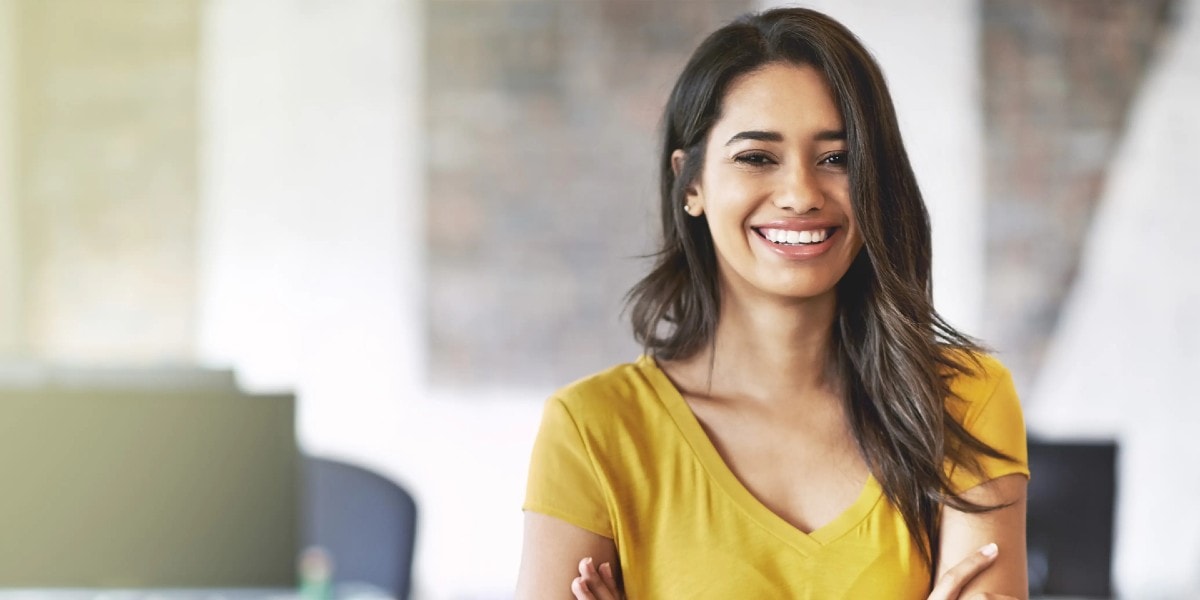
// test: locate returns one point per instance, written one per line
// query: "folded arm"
(551, 553)
(963, 533)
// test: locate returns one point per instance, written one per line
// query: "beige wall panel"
(10, 294)
(107, 185)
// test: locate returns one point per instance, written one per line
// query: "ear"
(693, 195)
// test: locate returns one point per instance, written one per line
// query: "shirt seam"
(609, 502)
(565, 515)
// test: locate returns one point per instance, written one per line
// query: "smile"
(797, 241)
(790, 237)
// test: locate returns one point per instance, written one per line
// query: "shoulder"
(574, 454)
(984, 402)
(612, 383)
(620, 394)
(981, 380)
(980, 376)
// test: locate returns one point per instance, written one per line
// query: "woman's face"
(775, 186)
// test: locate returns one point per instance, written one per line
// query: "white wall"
(1123, 361)
(311, 268)
(311, 246)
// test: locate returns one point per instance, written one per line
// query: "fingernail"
(989, 550)
(606, 569)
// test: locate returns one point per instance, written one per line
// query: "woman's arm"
(963, 533)
(551, 553)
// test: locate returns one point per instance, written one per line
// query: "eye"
(838, 160)
(754, 159)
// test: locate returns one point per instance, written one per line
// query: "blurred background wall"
(130, 150)
(1120, 361)
(421, 217)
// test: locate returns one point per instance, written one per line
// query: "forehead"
(783, 97)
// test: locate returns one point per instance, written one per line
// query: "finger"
(580, 590)
(587, 571)
(590, 580)
(606, 572)
(610, 580)
(595, 583)
(952, 582)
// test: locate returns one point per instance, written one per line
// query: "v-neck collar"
(689, 426)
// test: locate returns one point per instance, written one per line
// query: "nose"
(799, 191)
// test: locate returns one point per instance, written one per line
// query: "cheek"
(855, 230)
(730, 204)
(722, 230)
(855, 240)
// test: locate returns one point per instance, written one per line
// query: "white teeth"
(787, 236)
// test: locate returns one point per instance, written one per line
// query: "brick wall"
(542, 128)
(1059, 77)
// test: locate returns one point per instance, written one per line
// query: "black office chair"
(1070, 518)
(366, 522)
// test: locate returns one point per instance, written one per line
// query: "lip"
(797, 224)
(799, 251)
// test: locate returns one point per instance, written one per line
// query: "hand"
(951, 583)
(602, 585)
(593, 584)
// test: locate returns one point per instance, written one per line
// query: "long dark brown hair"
(895, 356)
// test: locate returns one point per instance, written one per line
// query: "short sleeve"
(562, 475)
(996, 420)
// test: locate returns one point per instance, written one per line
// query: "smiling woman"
(776, 178)
(803, 423)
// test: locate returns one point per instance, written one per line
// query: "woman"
(803, 424)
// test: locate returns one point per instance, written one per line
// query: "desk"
(342, 592)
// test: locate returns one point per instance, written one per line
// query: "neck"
(771, 351)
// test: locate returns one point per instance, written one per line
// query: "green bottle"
(316, 574)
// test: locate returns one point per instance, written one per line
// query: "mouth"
(792, 237)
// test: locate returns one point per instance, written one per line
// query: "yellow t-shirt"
(621, 454)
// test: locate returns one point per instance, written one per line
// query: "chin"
(801, 290)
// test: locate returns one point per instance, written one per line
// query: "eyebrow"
(824, 135)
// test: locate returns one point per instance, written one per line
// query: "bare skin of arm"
(551, 553)
(963, 533)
